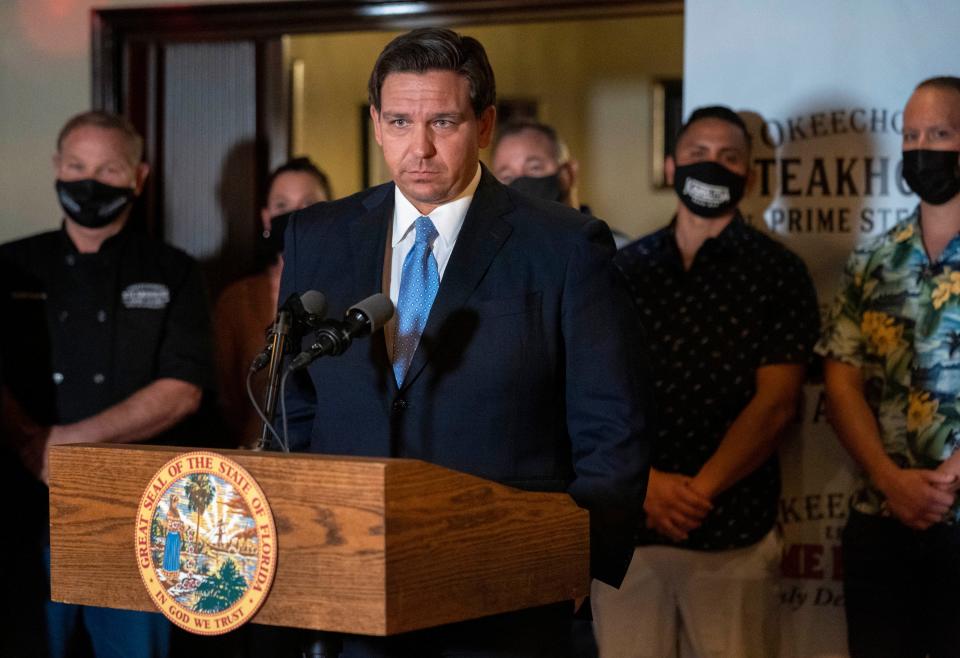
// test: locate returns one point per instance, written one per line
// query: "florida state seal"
(206, 544)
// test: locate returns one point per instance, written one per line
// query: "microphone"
(310, 307)
(299, 312)
(333, 337)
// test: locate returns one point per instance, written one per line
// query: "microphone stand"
(324, 644)
(320, 644)
(279, 345)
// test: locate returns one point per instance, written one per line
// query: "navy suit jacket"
(525, 374)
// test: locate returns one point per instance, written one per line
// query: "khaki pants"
(692, 604)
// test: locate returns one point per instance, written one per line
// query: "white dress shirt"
(447, 218)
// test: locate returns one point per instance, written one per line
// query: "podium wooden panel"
(368, 546)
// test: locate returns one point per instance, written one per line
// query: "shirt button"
(62, 316)
(98, 378)
(101, 316)
(399, 405)
(58, 378)
(70, 259)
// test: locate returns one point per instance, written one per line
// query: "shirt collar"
(108, 248)
(733, 234)
(911, 229)
(447, 218)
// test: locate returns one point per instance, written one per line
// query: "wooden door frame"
(127, 53)
(115, 31)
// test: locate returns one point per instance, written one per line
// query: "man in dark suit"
(508, 357)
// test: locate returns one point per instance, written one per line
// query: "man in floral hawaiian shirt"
(892, 348)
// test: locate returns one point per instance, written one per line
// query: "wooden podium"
(366, 546)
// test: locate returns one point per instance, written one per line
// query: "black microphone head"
(314, 302)
(376, 309)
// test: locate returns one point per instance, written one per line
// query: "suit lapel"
(481, 236)
(368, 243)
(368, 236)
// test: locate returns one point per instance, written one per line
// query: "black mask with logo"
(547, 188)
(91, 203)
(933, 175)
(708, 189)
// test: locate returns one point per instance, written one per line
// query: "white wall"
(44, 79)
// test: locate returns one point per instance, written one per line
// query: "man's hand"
(24, 435)
(36, 452)
(918, 497)
(33, 452)
(673, 507)
(951, 467)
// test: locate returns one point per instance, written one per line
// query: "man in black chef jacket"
(105, 339)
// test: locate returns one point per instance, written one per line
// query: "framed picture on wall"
(667, 117)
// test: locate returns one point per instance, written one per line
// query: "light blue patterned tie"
(419, 281)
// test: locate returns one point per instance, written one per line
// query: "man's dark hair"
(941, 82)
(721, 112)
(304, 165)
(107, 121)
(517, 126)
(436, 49)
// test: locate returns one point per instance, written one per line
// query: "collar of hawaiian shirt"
(913, 231)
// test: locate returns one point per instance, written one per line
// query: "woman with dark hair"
(246, 307)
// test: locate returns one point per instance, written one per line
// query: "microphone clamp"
(331, 338)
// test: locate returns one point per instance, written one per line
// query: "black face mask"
(547, 188)
(933, 175)
(91, 203)
(270, 244)
(708, 189)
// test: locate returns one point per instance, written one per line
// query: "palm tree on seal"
(199, 491)
(222, 590)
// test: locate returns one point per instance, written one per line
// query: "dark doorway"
(166, 67)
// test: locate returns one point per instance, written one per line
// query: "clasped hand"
(673, 506)
(919, 497)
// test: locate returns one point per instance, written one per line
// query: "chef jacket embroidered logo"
(146, 295)
(206, 544)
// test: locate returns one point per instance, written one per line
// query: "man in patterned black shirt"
(732, 319)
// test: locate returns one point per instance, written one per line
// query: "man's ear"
(569, 173)
(487, 121)
(266, 219)
(669, 170)
(143, 170)
(375, 117)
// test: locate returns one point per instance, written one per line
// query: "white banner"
(823, 84)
